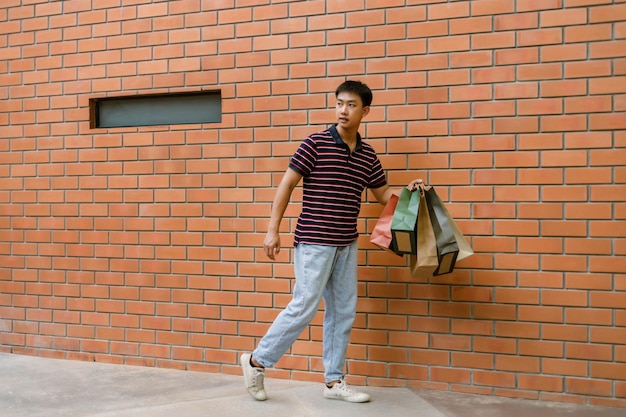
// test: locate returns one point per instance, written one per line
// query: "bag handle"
(415, 185)
(419, 186)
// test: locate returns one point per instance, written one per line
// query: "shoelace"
(345, 388)
(257, 377)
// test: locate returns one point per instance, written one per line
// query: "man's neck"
(350, 137)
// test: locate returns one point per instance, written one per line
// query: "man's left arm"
(383, 194)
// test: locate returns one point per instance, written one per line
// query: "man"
(336, 165)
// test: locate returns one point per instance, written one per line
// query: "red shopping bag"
(381, 235)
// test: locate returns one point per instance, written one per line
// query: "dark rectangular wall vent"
(156, 109)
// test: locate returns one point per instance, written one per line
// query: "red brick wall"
(143, 245)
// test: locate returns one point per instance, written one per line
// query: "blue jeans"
(328, 271)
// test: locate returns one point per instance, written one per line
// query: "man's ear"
(366, 110)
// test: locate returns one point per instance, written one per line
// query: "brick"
(448, 44)
(528, 5)
(563, 88)
(487, 245)
(609, 49)
(540, 211)
(492, 7)
(405, 14)
(371, 18)
(471, 127)
(620, 103)
(449, 111)
(588, 33)
(427, 29)
(448, 77)
(590, 140)
(517, 125)
(493, 40)
(387, 65)
(612, 121)
(366, 50)
(323, 22)
(447, 11)
(472, 360)
(539, 72)
(607, 371)
(518, 56)
(471, 59)
(517, 363)
(471, 93)
(584, 69)
(516, 91)
(494, 379)
(603, 86)
(620, 31)
(540, 106)
(471, 25)
(612, 13)
(493, 109)
(587, 386)
(563, 52)
(493, 75)
(271, 12)
(541, 383)
(563, 17)
(427, 62)
(557, 123)
(310, 8)
(540, 37)
(516, 21)
(588, 175)
(285, 25)
(541, 279)
(345, 36)
(578, 3)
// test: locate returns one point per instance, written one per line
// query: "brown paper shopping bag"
(465, 250)
(381, 235)
(425, 263)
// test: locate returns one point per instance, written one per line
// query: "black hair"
(357, 87)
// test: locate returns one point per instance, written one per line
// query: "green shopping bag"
(404, 223)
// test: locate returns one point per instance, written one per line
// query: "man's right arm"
(271, 244)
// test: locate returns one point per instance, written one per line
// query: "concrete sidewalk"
(41, 387)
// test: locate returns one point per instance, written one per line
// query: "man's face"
(349, 110)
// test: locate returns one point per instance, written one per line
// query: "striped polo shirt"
(333, 182)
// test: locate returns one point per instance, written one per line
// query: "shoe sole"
(346, 399)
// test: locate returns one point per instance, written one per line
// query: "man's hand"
(414, 184)
(271, 245)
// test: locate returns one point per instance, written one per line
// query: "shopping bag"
(451, 244)
(447, 247)
(404, 223)
(425, 263)
(381, 235)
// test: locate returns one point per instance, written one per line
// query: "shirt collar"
(339, 141)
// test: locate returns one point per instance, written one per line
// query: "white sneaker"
(341, 391)
(253, 378)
